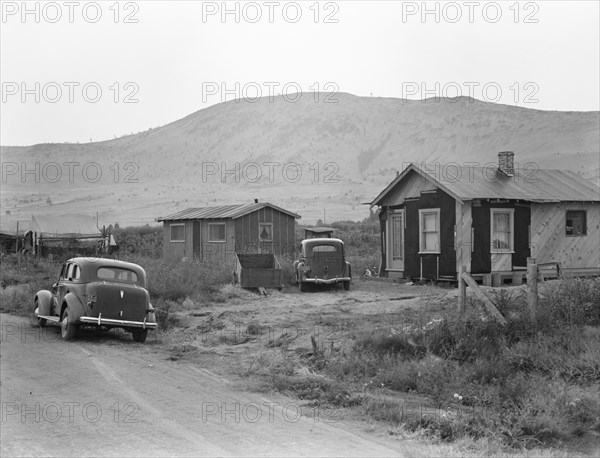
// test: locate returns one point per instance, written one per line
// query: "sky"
(89, 71)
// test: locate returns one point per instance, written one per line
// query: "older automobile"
(322, 261)
(98, 292)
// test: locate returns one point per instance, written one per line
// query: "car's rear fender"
(45, 302)
(76, 307)
(151, 313)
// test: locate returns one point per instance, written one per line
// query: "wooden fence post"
(532, 287)
(462, 291)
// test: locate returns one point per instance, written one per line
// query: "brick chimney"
(506, 163)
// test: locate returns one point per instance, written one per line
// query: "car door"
(65, 282)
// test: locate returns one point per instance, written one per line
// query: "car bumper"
(120, 323)
(326, 281)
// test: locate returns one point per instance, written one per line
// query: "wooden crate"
(258, 271)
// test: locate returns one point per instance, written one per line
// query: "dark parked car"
(98, 292)
(322, 261)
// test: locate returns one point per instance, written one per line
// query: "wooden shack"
(216, 234)
(489, 219)
(318, 232)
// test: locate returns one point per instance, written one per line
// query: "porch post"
(462, 291)
(532, 287)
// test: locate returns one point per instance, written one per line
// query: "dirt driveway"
(103, 396)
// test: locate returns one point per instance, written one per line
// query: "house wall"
(284, 235)
(430, 265)
(177, 250)
(549, 241)
(463, 246)
(218, 252)
(481, 256)
(411, 186)
(241, 236)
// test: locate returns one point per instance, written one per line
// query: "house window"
(429, 230)
(177, 232)
(502, 230)
(576, 222)
(265, 232)
(216, 232)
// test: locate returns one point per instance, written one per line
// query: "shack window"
(177, 232)
(502, 235)
(265, 231)
(576, 222)
(216, 232)
(429, 230)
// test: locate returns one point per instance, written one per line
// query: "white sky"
(172, 52)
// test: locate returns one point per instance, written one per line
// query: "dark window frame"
(583, 233)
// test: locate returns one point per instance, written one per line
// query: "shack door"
(395, 245)
(196, 245)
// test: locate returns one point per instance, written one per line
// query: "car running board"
(56, 319)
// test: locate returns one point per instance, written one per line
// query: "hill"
(307, 156)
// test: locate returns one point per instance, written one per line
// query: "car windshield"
(117, 273)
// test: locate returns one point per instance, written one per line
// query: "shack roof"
(223, 212)
(534, 185)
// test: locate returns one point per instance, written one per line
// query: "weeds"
(524, 385)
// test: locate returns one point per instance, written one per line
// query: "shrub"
(573, 301)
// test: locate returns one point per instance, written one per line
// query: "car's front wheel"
(139, 335)
(67, 329)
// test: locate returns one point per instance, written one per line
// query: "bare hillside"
(308, 156)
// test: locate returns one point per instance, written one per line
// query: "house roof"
(534, 185)
(223, 212)
(64, 225)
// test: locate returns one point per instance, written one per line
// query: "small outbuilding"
(318, 232)
(64, 234)
(489, 219)
(216, 234)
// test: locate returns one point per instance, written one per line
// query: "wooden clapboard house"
(489, 219)
(216, 234)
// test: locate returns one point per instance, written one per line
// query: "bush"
(573, 301)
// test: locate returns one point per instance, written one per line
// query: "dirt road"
(99, 397)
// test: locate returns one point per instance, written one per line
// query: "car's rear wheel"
(40, 321)
(67, 329)
(139, 335)
(346, 285)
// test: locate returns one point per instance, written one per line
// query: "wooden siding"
(284, 236)
(549, 241)
(464, 222)
(430, 265)
(218, 252)
(241, 236)
(411, 186)
(481, 256)
(177, 250)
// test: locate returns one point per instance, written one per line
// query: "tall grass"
(526, 384)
